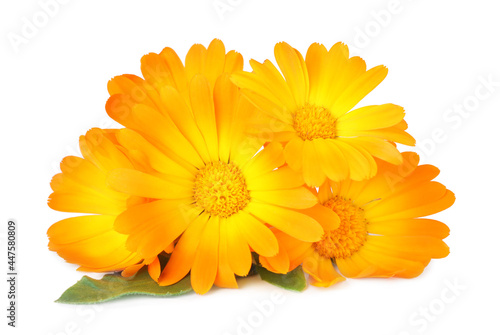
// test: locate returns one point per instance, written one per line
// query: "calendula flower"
(91, 240)
(209, 190)
(310, 106)
(381, 233)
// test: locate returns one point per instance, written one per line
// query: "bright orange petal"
(259, 237)
(182, 258)
(239, 254)
(206, 261)
(296, 224)
(225, 275)
(299, 198)
(294, 70)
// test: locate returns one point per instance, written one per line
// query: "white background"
(439, 53)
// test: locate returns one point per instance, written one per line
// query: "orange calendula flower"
(381, 233)
(207, 188)
(310, 106)
(91, 240)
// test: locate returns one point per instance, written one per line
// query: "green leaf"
(90, 291)
(293, 280)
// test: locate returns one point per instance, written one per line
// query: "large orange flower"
(311, 111)
(381, 233)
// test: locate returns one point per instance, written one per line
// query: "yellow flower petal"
(141, 184)
(225, 275)
(294, 70)
(299, 198)
(265, 161)
(206, 261)
(203, 108)
(363, 85)
(182, 257)
(240, 258)
(259, 237)
(291, 222)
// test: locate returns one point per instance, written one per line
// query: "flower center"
(349, 236)
(220, 189)
(313, 122)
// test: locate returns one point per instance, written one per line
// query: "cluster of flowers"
(215, 165)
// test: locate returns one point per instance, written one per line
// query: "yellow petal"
(91, 242)
(240, 258)
(275, 81)
(184, 120)
(268, 159)
(153, 226)
(294, 70)
(141, 184)
(156, 72)
(370, 117)
(182, 258)
(154, 269)
(324, 274)
(279, 263)
(410, 227)
(346, 71)
(176, 70)
(263, 95)
(315, 61)
(259, 237)
(363, 85)
(298, 198)
(294, 151)
(361, 163)
(225, 275)
(216, 57)
(327, 218)
(311, 166)
(195, 61)
(282, 178)
(202, 105)
(234, 62)
(291, 222)
(85, 203)
(206, 261)
(164, 133)
(132, 270)
(225, 99)
(432, 206)
(377, 148)
(331, 159)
